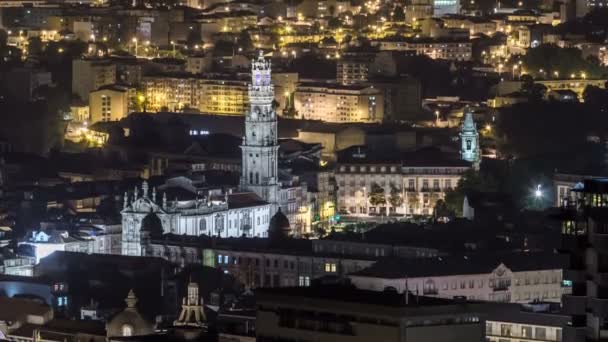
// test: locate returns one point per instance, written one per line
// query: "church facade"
(246, 213)
(229, 215)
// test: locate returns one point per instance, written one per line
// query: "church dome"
(129, 322)
(279, 224)
(152, 224)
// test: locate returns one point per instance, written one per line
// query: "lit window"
(127, 330)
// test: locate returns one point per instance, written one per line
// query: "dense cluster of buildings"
(295, 171)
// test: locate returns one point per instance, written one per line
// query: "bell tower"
(260, 148)
(469, 140)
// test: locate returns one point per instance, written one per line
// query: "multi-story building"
(353, 68)
(223, 97)
(110, 103)
(213, 96)
(339, 103)
(540, 321)
(233, 22)
(400, 184)
(417, 10)
(585, 240)
(339, 313)
(456, 50)
(516, 278)
(564, 183)
(169, 93)
(101, 241)
(91, 74)
(475, 25)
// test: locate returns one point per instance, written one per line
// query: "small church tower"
(260, 148)
(193, 313)
(469, 140)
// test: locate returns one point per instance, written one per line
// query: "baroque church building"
(214, 212)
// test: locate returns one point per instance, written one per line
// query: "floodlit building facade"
(339, 103)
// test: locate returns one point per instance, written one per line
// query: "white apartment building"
(436, 49)
(519, 279)
(411, 181)
(339, 103)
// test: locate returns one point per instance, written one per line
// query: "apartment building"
(110, 103)
(353, 68)
(514, 278)
(339, 103)
(401, 184)
(475, 25)
(455, 50)
(91, 74)
(212, 96)
(231, 22)
(225, 97)
(538, 321)
(584, 240)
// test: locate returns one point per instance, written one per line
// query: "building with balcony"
(212, 96)
(539, 321)
(385, 183)
(513, 278)
(449, 49)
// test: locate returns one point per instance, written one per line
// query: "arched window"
(257, 178)
(250, 177)
(127, 330)
(202, 226)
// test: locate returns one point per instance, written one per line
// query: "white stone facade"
(260, 147)
(501, 285)
(208, 216)
(418, 188)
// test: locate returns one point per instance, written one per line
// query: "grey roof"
(395, 268)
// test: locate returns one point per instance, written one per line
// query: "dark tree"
(399, 13)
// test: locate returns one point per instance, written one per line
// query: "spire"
(469, 139)
(144, 188)
(125, 201)
(131, 300)
(154, 194)
(164, 200)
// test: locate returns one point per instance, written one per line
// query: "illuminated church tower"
(260, 148)
(469, 139)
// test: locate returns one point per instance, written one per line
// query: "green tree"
(396, 197)
(244, 41)
(376, 195)
(442, 209)
(334, 23)
(471, 181)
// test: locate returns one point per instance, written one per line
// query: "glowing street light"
(538, 193)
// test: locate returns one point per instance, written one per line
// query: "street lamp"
(134, 40)
(173, 44)
(538, 193)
